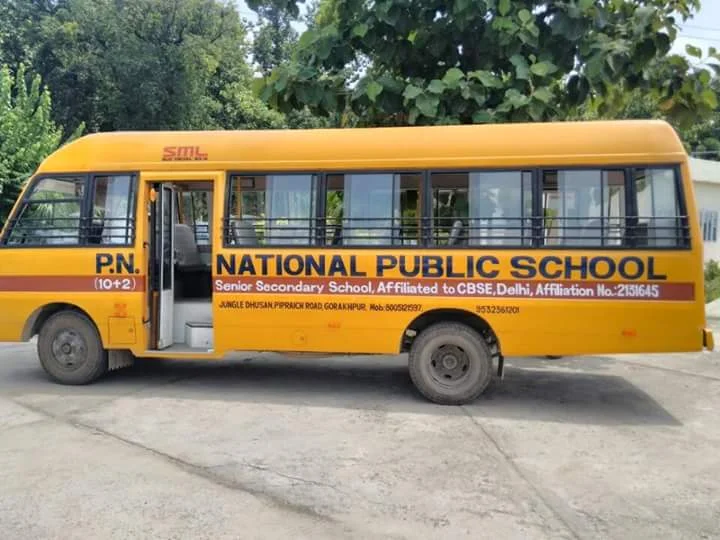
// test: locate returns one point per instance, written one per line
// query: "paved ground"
(612, 447)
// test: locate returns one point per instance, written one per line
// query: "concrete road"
(269, 447)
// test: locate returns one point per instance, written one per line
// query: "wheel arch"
(462, 316)
(37, 318)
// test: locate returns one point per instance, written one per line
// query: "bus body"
(460, 245)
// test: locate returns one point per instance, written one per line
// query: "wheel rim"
(69, 350)
(449, 365)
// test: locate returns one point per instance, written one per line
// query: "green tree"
(273, 44)
(237, 107)
(27, 132)
(149, 64)
(700, 133)
(274, 38)
(400, 62)
(19, 21)
(703, 137)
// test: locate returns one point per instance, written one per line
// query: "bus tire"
(450, 363)
(70, 349)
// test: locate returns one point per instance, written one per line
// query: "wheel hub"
(69, 349)
(449, 364)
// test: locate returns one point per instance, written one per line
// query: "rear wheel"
(450, 363)
(70, 349)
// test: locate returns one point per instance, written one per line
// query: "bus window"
(658, 208)
(273, 209)
(113, 210)
(290, 209)
(614, 205)
(51, 214)
(196, 213)
(373, 209)
(482, 208)
(450, 208)
(410, 209)
(583, 207)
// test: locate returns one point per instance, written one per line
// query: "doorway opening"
(181, 267)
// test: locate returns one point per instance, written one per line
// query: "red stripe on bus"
(72, 283)
(571, 290)
(375, 287)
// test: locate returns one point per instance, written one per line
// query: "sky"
(703, 30)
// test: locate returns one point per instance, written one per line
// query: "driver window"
(51, 214)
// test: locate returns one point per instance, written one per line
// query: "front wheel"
(450, 363)
(70, 349)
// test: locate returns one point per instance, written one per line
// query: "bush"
(712, 281)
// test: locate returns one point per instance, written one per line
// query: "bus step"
(199, 335)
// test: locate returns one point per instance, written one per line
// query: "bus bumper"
(708, 340)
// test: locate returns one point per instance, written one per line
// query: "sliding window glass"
(583, 207)
(659, 222)
(488, 208)
(272, 210)
(197, 214)
(113, 210)
(373, 209)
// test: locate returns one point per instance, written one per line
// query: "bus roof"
(391, 148)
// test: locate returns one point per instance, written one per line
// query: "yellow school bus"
(459, 245)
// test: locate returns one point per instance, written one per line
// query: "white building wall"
(706, 184)
(707, 198)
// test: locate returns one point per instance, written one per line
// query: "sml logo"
(183, 153)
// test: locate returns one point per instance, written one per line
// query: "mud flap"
(708, 339)
(118, 359)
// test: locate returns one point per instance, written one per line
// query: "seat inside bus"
(244, 233)
(187, 254)
(192, 261)
(192, 274)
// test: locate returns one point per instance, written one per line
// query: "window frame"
(630, 206)
(422, 187)
(629, 242)
(686, 243)
(319, 220)
(86, 205)
(131, 215)
(319, 238)
(428, 212)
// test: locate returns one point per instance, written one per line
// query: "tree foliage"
(141, 64)
(465, 61)
(700, 133)
(19, 22)
(146, 64)
(186, 64)
(274, 38)
(702, 138)
(239, 108)
(27, 132)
